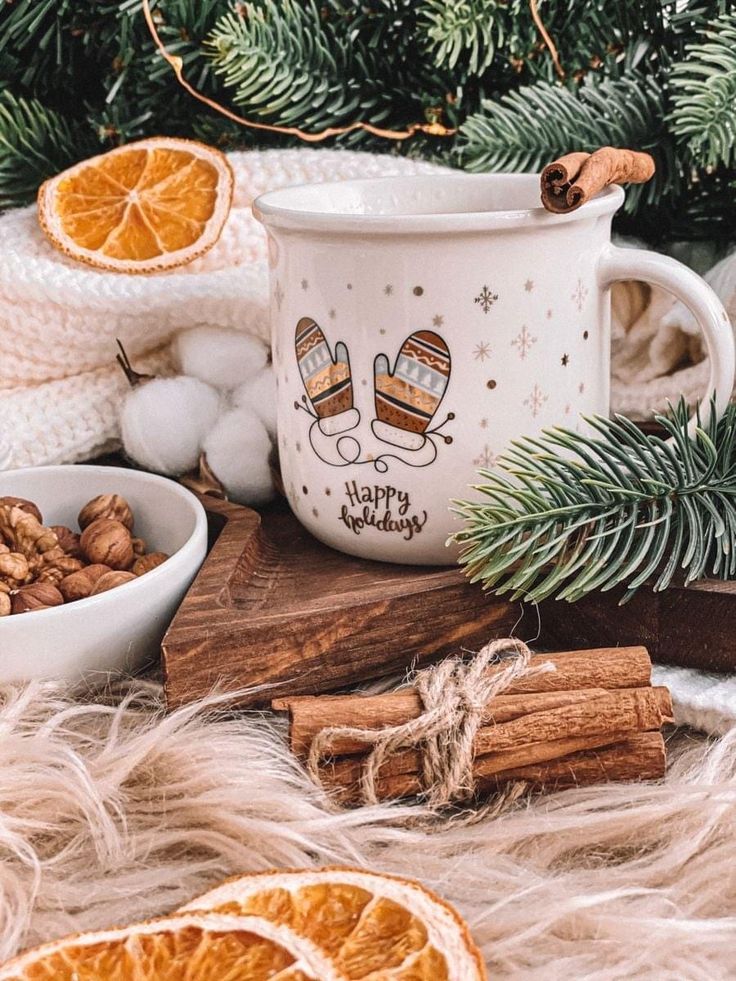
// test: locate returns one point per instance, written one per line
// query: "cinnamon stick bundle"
(594, 716)
(570, 181)
(577, 675)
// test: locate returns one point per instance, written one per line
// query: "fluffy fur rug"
(112, 811)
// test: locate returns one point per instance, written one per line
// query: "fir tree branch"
(284, 63)
(704, 95)
(35, 143)
(578, 513)
(465, 30)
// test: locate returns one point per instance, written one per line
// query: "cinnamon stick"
(309, 714)
(639, 756)
(542, 736)
(609, 668)
(570, 181)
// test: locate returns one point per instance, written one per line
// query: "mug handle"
(616, 264)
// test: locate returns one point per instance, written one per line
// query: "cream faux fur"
(114, 812)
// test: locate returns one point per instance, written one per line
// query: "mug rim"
(280, 208)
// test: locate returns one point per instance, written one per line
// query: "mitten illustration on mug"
(327, 379)
(407, 397)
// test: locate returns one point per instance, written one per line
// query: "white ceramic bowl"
(119, 630)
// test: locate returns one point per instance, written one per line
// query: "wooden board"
(272, 607)
(693, 626)
(274, 610)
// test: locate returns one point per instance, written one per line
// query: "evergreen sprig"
(704, 95)
(577, 512)
(284, 63)
(35, 142)
(465, 30)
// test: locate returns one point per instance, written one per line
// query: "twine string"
(455, 695)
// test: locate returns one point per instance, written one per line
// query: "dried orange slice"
(141, 208)
(329, 924)
(189, 947)
(369, 925)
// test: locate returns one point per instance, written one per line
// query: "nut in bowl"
(93, 564)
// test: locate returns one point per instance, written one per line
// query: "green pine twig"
(704, 95)
(574, 513)
(35, 143)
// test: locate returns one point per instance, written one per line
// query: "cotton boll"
(164, 421)
(259, 394)
(221, 357)
(237, 451)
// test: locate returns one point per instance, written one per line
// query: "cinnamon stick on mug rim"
(570, 181)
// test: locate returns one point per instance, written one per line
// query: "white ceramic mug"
(421, 323)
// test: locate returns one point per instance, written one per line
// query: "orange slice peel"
(143, 207)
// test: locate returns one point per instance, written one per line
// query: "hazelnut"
(107, 542)
(110, 580)
(78, 585)
(111, 506)
(37, 596)
(5, 605)
(68, 540)
(28, 506)
(147, 562)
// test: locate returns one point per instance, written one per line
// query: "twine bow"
(455, 695)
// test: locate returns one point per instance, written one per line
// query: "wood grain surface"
(692, 626)
(276, 612)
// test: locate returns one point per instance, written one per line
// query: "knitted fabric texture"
(59, 387)
(706, 702)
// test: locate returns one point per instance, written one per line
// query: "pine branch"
(525, 129)
(284, 63)
(704, 96)
(35, 143)
(467, 31)
(578, 513)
